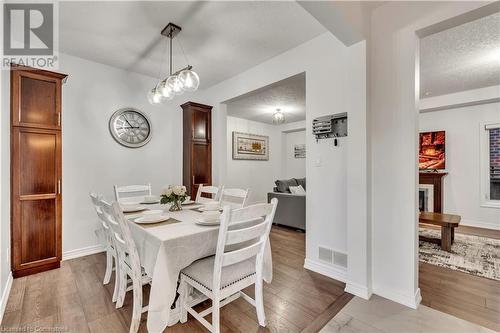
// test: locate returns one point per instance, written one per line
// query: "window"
(490, 165)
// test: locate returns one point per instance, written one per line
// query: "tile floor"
(379, 315)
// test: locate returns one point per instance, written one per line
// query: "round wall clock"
(130, 127)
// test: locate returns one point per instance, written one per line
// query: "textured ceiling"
(461, 58)
(289, 95)
(221, 39)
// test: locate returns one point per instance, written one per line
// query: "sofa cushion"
(301, 181)
(284, 185)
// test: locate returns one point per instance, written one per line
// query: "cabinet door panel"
(37, 154)
(201, 125)
(38, 230)
(36, 99)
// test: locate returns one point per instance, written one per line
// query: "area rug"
(469, 254)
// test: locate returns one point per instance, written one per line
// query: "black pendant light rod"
(170, 54)
(170, 31)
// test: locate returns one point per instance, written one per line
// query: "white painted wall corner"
(5, 296)
(358, 290)
(412, 301)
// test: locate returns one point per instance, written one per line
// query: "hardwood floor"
(465, 296)
(73, 297)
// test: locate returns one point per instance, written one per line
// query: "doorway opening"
(459, 172)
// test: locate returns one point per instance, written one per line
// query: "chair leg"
(137, 307)
(259, 302)
(116, 289)
(183, 288)
(122, 287)
(215, 315)
(109, 266)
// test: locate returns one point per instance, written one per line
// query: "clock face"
(130, 127)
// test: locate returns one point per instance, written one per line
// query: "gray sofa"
(291, 210)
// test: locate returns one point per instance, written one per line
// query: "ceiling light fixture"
(278, 117)
(176, 83)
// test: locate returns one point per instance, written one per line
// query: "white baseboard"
(334, 272)
(5, 296)
(479, 224)
(358, 290)
(84, 251)
(411, 301)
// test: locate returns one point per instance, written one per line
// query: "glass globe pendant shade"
(175, 85)
(154, 96)
(165, 90)
(278, 117)
(189, 79)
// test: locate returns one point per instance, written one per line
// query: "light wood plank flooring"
(74, 298)
(466, 296)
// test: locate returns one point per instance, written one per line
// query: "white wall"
(293, 167)
(393, 127)
(462, 193)
(335, 82)
(92, 160)
(258, 176)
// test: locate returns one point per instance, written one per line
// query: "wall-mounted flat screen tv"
(431, 154)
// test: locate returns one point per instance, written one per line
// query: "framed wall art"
(248, 146)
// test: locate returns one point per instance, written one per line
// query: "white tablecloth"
(166, 249)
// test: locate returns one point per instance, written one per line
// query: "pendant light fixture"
(177, 82)
(278, 117)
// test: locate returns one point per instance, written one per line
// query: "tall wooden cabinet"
(36, 205)
(197, 147)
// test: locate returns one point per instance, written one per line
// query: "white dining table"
(165, 249)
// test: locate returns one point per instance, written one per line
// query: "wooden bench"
(447, 222)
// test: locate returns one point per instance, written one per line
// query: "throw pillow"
(297, 190)
(301, 181)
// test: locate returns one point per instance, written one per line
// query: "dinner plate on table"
(151, 199)
(207, 222)
(151, 218)
(132, 208)
(188, 202)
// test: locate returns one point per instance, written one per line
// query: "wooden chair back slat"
(246, 234)
(131, 192)
(235, 197)
(213, 191)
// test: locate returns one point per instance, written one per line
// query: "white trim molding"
(84, 251)
(358, 290)
(332, 271)
(5, 296)
(480, 224)
(412, 301)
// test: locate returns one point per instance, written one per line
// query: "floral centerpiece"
(174, 195)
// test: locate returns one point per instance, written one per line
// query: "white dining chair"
(129, 263)
(213, 191)
(131, 193)
(111, 254)
(223, 277)
(234, 197)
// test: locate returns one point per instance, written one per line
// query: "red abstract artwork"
(431, 155)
